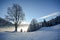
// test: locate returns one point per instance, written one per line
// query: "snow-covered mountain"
(4, 23)
(45, 33)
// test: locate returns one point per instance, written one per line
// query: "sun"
(24, 22)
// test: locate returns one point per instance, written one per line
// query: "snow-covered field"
(45, 33)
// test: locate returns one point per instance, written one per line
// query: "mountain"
(3, 23)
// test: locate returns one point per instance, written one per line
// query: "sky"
(37, 9)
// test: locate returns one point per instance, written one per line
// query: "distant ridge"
(5, 23)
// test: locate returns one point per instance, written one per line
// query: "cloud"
(52, 14)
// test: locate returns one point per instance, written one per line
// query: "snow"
(52, 28)
(45, 33)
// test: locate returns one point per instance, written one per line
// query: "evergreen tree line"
(34, 25)
(51, 22)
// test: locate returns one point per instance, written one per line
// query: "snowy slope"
(37, 35)
(52, 28)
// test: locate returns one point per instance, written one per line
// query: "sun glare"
(24, 29)
(23, 26)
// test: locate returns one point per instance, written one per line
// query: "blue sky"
(31, 8)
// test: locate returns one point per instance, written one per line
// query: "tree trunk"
(15, 27)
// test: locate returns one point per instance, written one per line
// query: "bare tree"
(15, 14)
